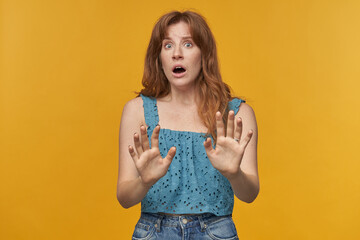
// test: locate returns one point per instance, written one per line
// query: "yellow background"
(68, 67)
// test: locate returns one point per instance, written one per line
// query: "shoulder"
(246, 109)
(240, 107)
(247, 114)
(134, 103)
(133, 110)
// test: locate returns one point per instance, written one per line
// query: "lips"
(177, 66)
(178, 70)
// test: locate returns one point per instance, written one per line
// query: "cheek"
(198, 61)
(163, 61)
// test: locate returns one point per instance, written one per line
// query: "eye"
(167, 45)
(188, 44)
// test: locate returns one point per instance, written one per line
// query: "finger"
(144, 138)
(155, 137)
(171, 154)
(132, 153)
(247, 139)
(238, 129)
(230, 125)
(207, 145)
(219, 125)
(138, 146)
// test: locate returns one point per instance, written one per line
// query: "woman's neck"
(187, 97)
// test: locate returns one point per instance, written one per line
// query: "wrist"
(145, 185)
(236, 176)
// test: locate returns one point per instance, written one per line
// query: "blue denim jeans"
(203, 226)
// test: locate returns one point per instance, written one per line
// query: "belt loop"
(202, 224)
(158, 223)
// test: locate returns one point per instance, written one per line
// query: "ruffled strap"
(234, 104)
(150, 111)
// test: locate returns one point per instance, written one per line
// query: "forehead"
(180, 29)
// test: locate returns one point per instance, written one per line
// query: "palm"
(229, 151)
(151, 165)
(148, 161)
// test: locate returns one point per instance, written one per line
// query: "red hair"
(214, 94)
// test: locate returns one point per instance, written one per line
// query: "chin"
(182, 83)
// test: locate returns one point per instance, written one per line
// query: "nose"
(177, 53)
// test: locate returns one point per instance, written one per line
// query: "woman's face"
(180, 57)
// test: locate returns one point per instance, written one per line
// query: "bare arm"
(246, 184)
(130, 190)
(237, 160)
(139, 165)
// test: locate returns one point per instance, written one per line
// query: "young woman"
(186, 145)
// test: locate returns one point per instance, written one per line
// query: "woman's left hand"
(230, 148)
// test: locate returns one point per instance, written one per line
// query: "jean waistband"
(192, 220)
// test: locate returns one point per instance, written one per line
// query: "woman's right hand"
(148, 161)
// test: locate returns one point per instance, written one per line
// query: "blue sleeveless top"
(191, 185)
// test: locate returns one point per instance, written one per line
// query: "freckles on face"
(180, 56)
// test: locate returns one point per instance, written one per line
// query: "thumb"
(247, 139)
(207, 145)
(171, 154)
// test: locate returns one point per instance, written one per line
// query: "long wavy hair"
(213, 93)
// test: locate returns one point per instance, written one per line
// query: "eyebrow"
(185, 37)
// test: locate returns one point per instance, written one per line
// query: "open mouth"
(179, 69)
